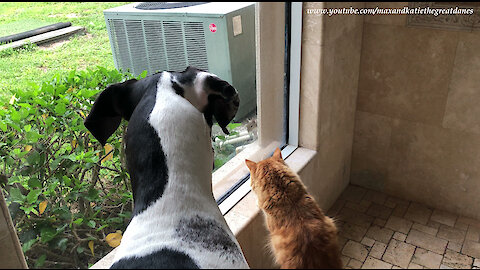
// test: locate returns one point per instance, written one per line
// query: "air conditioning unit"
(215, 36)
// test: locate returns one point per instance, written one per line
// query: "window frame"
(291, 99)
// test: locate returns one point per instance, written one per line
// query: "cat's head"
(271, 179)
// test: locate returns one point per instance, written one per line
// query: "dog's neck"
(176, 155)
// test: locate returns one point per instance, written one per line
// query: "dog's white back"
(185, 220)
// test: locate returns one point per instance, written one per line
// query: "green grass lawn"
(40, 63)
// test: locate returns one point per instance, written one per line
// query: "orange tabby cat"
(301, 235)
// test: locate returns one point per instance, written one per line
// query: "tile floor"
(380, 231)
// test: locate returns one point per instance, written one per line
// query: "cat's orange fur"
(301, 236)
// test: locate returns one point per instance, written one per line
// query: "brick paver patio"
(381, 231)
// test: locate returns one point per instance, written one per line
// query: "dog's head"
(212, 96)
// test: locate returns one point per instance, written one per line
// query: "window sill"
(244, 212)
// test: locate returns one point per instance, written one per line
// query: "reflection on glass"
(242, 134)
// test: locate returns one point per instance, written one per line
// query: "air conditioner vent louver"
(136, 43)
(155, 46)
(195, 41)
(120, 44)
(158, 45)
(174, 45)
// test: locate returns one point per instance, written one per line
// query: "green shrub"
(62, 189)
(65, 192)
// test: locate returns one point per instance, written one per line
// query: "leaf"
(28, 147)
(33, 136)
(101, 228)
(115, 220)
(42, 207)
(126, 214)
(62, 244)
(108, 148)
(92, 195)
(33, 195)
(40, 261)
(233, 125)
(47, 88)
(74, 143)
(88, 93)
(25, 105)
(114, 239)
(49, 121)
(34, 183)
(61, 229)
(67, 180)
(47, 234)
(28, 245)
(143, 74)
(78, 221)
(28, 209)
(91, 224)
(90, 245)
(72, 157)
(3, 126)
(40, 102)
(12, 100)
(16, 195)
(34, 159)
(14, 125)
(15, 116)
(60, 109)
(24, 113)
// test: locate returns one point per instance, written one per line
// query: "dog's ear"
(117, 101)
(223, 102)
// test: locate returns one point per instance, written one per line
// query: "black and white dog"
(176, 222)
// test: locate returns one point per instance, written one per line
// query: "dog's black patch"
(224, 104)
(222, 87)
(188, 76)
(208, 234)
(164, 258)
(178, 89)
(146, 159)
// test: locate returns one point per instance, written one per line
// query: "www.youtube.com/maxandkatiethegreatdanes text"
(390, 11)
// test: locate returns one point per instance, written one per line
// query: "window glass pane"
(277, 95)
(217, 37)
(239, 41)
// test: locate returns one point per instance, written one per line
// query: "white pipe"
(230, 137)
(236, 140)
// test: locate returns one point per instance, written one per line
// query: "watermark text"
(390, 11)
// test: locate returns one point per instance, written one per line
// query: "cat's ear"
(251, 165)
(277, 154)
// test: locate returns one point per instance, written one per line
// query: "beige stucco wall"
(331, 49)
(417, 127)
(11, 255)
